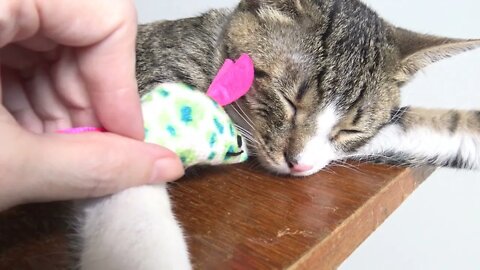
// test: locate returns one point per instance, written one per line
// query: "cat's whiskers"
(252, 153)
(246, 134)
(250, 140)
(329, 170)
(343, 163)
(252, 143)
(397, 113)
(243, 115)
(407, 120)
(244, 130)
(251, 147)
(346, 165)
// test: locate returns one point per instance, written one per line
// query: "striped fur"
(309, 55)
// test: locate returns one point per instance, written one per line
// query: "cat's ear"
(418, 50)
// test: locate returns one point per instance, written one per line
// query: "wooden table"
(239, 217)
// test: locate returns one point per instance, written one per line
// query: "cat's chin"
(282, 168)
(304, 174)
(285, 170)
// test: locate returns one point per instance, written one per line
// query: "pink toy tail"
(78, 130)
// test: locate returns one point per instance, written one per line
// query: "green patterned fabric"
(192, 125)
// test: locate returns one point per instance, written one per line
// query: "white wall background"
(438, 227)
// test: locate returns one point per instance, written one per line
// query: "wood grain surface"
(238, 217)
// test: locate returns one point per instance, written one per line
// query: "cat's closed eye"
(350, 132)
(346, 134)
(261, 74)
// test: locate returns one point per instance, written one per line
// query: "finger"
(71, 89)
(90, 165)
(17, 103)
(109, 72)
(11, 162)
(18, 20)
(107, 59)
(45, 101)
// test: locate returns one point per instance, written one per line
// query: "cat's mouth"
(305, 171)
(285, 168)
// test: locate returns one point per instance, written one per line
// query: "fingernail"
(167, 170)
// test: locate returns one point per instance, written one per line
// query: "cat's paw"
(134, 229)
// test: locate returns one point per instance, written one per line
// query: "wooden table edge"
(342, 242)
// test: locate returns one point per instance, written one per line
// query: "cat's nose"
(297, 167)
(300, 168)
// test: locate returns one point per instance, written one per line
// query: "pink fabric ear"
(232, 81)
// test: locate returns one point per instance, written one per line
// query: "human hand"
(65, 64)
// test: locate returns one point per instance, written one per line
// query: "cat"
(327, 87)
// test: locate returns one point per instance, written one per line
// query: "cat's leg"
(134, 229)
(428, 137)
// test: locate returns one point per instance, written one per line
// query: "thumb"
(60, 167)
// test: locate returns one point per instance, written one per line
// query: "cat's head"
(328, 75)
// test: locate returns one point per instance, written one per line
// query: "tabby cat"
(327, 85)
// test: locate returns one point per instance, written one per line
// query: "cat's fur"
(327, 87)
